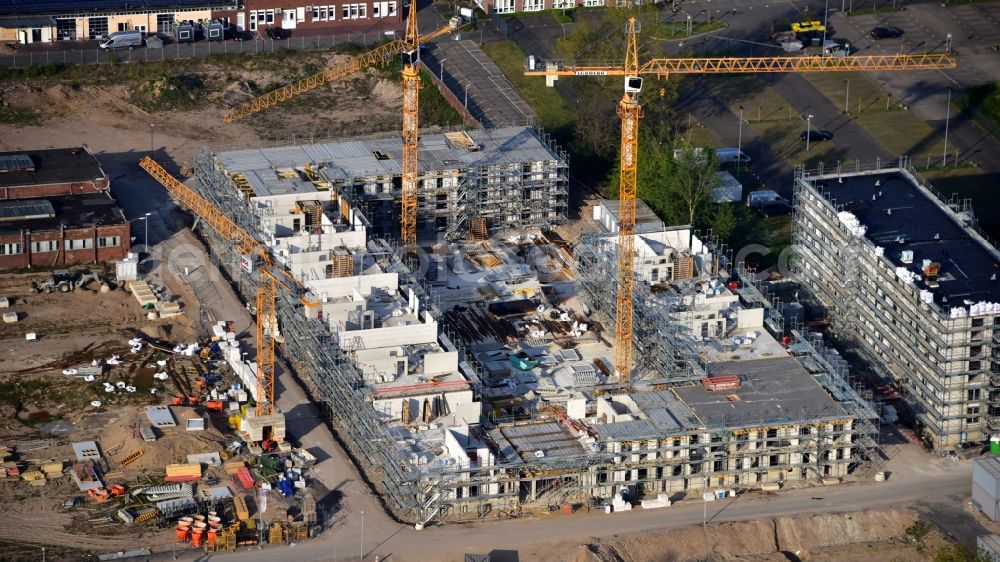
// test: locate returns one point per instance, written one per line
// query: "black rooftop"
(921, 223)
(57, 165)
(72, 211)
(56, 7)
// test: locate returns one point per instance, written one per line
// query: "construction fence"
(89, 53)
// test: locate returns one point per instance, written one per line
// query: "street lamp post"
(442, 69)
(947, 119)
(151, 129)
(947, 47)
(739, 143)
(362, 535)
(847, 96)
(808, 131)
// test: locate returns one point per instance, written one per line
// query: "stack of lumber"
(186, 472)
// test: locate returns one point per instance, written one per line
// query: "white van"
(120, 39)
(728, 156)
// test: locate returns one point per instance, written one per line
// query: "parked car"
(815, 135)
(278, 33)
(122, 39)
(243, 35)
(773, 208)
(886, 32)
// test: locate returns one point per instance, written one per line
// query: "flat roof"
(56, 7)
(535, 441)
(383, 157)
(645, 219)
(56, 165)
(772, 391)
(71, 211)
(899, 215)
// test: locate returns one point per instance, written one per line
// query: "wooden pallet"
(132, 457)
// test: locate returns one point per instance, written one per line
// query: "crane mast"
(629, 111)
(245, 243)
(411, 126)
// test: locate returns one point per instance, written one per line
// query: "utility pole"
(739, 144)
(808, 131)
(947, 119)
(847, 97)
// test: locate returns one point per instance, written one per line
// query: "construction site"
(936, 274)
(418, 293)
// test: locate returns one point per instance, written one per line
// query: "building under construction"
(500, 180)
(908, 279)
(476, 385)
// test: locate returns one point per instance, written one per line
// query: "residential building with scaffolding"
(500, 180)
(906, 277)
(479, 383)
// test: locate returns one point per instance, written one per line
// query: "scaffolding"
(665, 351)
(766, 450)
(935, 359)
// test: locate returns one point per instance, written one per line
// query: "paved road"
(975, 31)
(478, 82)
(933, 484)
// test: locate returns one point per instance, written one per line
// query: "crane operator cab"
(633, 84)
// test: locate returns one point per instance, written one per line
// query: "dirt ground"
(889, 536)
(114, 108)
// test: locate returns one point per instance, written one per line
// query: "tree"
(689, 186)
(723, 221)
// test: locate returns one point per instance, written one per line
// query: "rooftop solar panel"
(26, 209)
(55, 7)
(16, 163)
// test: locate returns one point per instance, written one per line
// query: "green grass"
(761, 104)
(784, 141)
(667, 30)
(901, 133)
(887, 9)
(699, 135)
(983, 103)
(866, 96)
(553, 111)
(18, 117)
(774, 233)
(971, 182)
(434, 109)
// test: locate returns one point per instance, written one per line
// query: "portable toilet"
(995, 445)
(215, 31)
(185, 32)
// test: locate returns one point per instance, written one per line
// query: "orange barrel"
(212, 514)
(182, 532)
(211, 536)
(187, 520)
(200, 518)
(213, 520)
(196, 540)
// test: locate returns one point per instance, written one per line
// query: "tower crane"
(630, 111)
(271, 278)
(379, 55)
(409, 46)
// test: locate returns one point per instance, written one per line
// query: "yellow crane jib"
(379, 55)
(663, 67)
(271, 277)
(629, 111)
